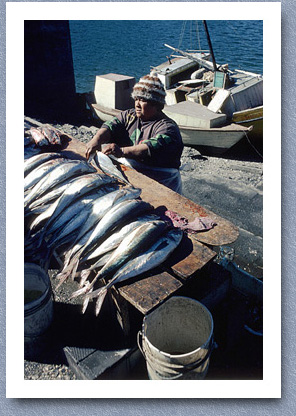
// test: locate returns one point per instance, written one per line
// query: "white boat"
(220, 106)
(207, 131)
(236, 94)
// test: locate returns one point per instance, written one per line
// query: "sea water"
(134, 47)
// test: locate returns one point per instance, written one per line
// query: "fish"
(135, 242)
(99, 210)
(70, 229)
(36, 160)
(51, 134)
(99, 207)
(60, 174)
(123, 161)
(49, 196)
(84, 274)
(79, 204)
(109, 201)
(57, 191)
(78, 187)
(113, 241)
(117, 215)
(38, 137)
(37, 174)
(106, 165)
(72, 219)
(156, 255)
(115, 238)
(120, 214)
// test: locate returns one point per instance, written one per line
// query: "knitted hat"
(150, 88)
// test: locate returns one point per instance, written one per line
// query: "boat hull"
(214, 141)
(105, 113)
(251, 117)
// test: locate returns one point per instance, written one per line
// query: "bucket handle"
(186, 368)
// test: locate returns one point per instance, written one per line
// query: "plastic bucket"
(177, 340)
(38, 306)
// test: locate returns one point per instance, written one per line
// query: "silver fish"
(112, 242)
(118, 215)
(58, 190)
(153, 257)
(70, 229)
(137, 241)
(37, 174)
(104, 205)
(148, 260)
(78, 187)
(77, 205)
(107, 166)
(49, 196)
(63, 222)
(84, 274)
(100, 207)
(115, 238)
(58, 175)
(36, 160)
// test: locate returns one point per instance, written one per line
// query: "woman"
(144, 135)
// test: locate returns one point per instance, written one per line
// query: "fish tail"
(62, 278)
(101, 296)
(85, 303)
(68, 269)
(84, 276)
(84, 290)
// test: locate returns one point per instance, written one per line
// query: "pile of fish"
(96, 221)
(44, 135)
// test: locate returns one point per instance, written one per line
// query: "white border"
(270, 387)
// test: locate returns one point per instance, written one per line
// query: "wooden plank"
(189, 257)
(73, 148)
(146, 293)
(160, 196)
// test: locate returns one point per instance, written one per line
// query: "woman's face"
(145, 109)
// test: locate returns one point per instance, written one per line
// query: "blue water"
(133, 47)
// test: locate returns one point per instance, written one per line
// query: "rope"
(254, 148)
(182, 33)
(198, 37)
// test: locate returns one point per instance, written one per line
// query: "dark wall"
(49, 83)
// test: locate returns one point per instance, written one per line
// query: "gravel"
(38, 371)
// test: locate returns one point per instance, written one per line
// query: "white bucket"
(38, 301)
(177, 340)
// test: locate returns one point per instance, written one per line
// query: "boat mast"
(210, 45)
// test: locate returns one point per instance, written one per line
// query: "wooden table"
(194, 252)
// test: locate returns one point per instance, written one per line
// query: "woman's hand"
(102, 136)
(112, 149)
(91, 147)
